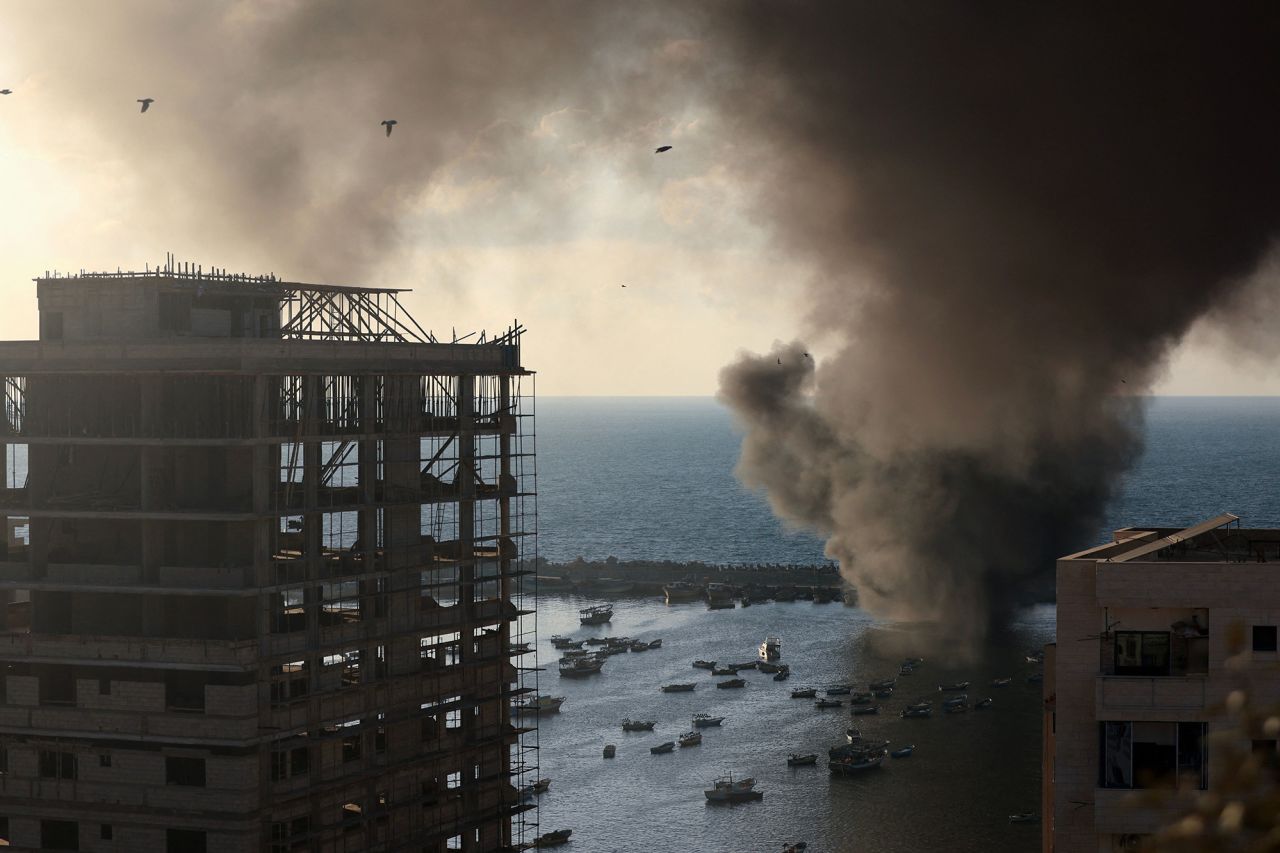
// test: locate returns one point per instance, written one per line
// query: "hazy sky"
(520, 181)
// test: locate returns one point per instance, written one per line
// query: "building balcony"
(1186, 692)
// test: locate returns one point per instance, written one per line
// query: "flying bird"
(6, 91)
(389, 123)
(146, 103)
(661, 149)
(624, 285)
(779, 361)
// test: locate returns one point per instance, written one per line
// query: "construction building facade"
(261, 586)
(1155, 629)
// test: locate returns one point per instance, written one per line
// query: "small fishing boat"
(953, 687)
(1001, 682)
(553, 839)
(852, 735)
(630, 725)
(1035, 657)
(962, 699)
(912, 662)
(596, 641)
(704, 664)
(731, 684)
(748, 665)
(1035, 679)
(802, 760)
(541, 704)
(682, 591)
(570, 654)
(983, 703)
(906, 670)
(919, 709)
(639, 646)
(804, 693)
(610, 750)
(956, 708)
(1024, 817)
(597, 615)
(766, 666)
(854, 764)
(865, 709)
(678, 688)
(702, 721)
(722, 604)
(559, 642)
(886, 684)
(782, 675)
(663, 748)
(541, 786)
(724, 670)
(690, 739)
(655, 644)
(883, 693)
(863, 698)
(579, 667)
(726, 790)
(828, 703)
(904, 751)
(838, 691)
(771, 648)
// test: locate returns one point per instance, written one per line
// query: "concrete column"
(151, 474)
(466, 481)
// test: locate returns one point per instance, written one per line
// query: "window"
(105, 832)
(454, 843)
(289, 761)
(104, 760)
(351, 747)
(57, 765)
(184, 771)
(1269, 759)
(1142, 653)
(289, 681)
(453, 717)
(4, 761)
(1264, 638)
(59, 835)
(104, 686)
(440, 650)
(1152, 755)
(58, 686)
(184, 691)
(453, 780)
(185, 841)
(352, 814)
(288, 836)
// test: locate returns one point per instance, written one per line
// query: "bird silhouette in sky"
(660, 149)
(624, 285)
(146, 103)
(6, 91)
(388, 124)
(779, 361)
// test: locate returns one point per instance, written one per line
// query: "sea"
(653, 478)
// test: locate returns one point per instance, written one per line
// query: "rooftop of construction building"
(1219, 539)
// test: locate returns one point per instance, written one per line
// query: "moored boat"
(919, 709)
(1023, 817)
(597, 615)
(956, 708)
(639, 646)
(863, 698)
(610, 750)
(904, 751)
(678, 688)
(883, 692)
(663, 747)
(771, 648)
(727, 790)
(886, 684)
(838, 691)
(1035, 679)
(724, 670)
(596, 641)
(630, 725)
(704, 664)
(702, 721)
(766, 666)
(804, 693)
(578, 667)
(855, 760)
(732, 683)
(726, 604)
(541, 704)
(655, 644)
(802, 760)
(953, 687)
(865, 709)
(682, 591)
(828, 703)
(1001, 682)
(782, 674)
(553, 839)
(983, 703)
(559, 642)
(690, 739)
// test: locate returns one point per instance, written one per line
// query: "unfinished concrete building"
(262, 572)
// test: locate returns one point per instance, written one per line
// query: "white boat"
(771, 648)
(541, 704)
(728, 790)
(702, 721)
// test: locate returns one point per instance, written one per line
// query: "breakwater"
(643, 577)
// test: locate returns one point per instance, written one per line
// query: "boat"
(727, 604)
(702, 721)
(662, 748)
(905, 670)
(886, 684)
(919, 709)
(904, 752)
(727, 790)
(883, 693)
(828, 703)
(802, 760)
(956, 708)
(865, 709)
(597, 615)
(655, 644)
(766, 666)
(541, 786)
(838, 691)
(804, 693)
(704, 664)
(541, 704)
(678, 688)
(983, 703)
(748, 665)
(962, 699)
(639, 646)
(566, 643)
(1024, 817)
(553, 839)
(1035, 679)
(597, 641)
(771, 648)
(953, 687)
(912, 662)
(690, 739)
(575, 653)
(782, 675)
(848, 760)
(682, 591)
(1035, 657)
(610, 750)
(1001, 682)
(731, 684)
(630, 725)
(724, 670)
(863, 698)
(578, 667)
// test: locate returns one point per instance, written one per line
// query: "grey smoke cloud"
(1016, 209)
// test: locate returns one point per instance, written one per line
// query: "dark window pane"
(59, 835)
(1264, 638)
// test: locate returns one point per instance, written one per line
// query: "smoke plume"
(1016, 209)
